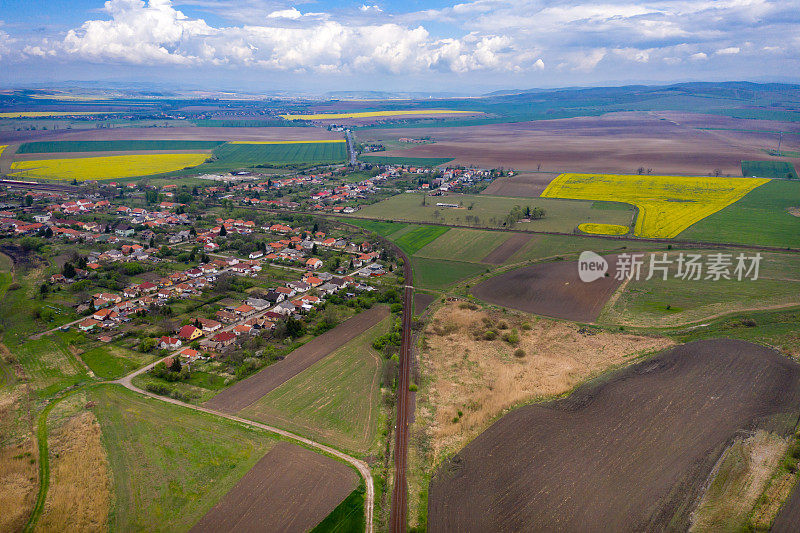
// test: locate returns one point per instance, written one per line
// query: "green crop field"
(547, 246)
(761, 217)
(247, 155)
(170, 464)
(406, 161)
(440, 273)
(336, 400)
(348, 517)
(418, 237)
(464, 245)
(671, 302)
(249, 123)
(769, 169)
(491, 211)
(376, 226)
(42, 147)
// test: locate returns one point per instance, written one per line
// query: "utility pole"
(780, 139)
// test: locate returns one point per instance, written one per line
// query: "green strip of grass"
(376, 226)
(439, 273)
(46, 147)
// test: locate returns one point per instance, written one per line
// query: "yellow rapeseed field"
(367, 114)
(603, 229)
(2, 147)
(288, 142)
(110, 167)
(36, 114)
(667, 204)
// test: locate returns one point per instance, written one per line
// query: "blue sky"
(468, 47)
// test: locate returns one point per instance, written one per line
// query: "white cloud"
(538, 64)
(731, 50)
(291, 13)
(699, 56)
(373, 8)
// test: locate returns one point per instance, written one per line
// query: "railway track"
(36, 186)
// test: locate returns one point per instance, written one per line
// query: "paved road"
(350, 147)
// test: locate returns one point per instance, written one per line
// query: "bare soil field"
(788, 519)
(630, 453)
(246, 392)
(504, 251)
(421, 301)
(550, 289)
(697, 120)
(289, 489)
(187, 133)
(613, 143)
(527, 185)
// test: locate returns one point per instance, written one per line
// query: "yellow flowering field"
(2, 147)
(367, 114)
(667, 204)
(110, 167)
(603, 229)
(289, 142)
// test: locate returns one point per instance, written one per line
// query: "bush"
(519, 352)
(490, 335)
(526, 326)
(467, 305)
(511, 337)
(412, 387)
(159, 388)
(396, 308)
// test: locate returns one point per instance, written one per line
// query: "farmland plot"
(667, 204)
(109, 167)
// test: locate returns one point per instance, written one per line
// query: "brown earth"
(788, 519)
(289, 489)
(183, 133)
(527, 185)
(421, 301)
(246, 392)
(631, 453)
(551, 289)
(506, 249)
(615, 142)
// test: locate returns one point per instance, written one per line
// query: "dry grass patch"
(80, 488)
(477, 364)
(741, 476)
(770, 503)
(19, 480)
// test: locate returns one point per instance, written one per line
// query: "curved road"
(361, 466)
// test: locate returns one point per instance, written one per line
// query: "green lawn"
(233, 156)
(645, 302)
(439, 273)
(170, 464)
(418, 237)
(491, 211)
(111, 362)
(407, 161)
(769, 169)
(464, 245)
(761, 217)
(41, 147)
(543, 246)
(337, 400)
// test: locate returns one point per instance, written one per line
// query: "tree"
(193, 231)
(222, 231)
(294, 328)
(43, 290)
(28, 200)
(69, 271)
(48, 232)
(176, 364)
(151, 196)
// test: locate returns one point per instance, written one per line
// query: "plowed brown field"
(628, 454)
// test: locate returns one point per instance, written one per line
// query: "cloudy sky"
(318, 45)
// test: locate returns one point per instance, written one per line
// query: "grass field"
(232, 156)
(371, 114)
(109, 167)
(418, 237)
(49, 147)
(440, 273)
(463, 245)
(661, 303)
(381, 228)
(667, 204)
(406, 161)
(491, 211)
(337, 400)
(544, 246)
(323, 141)
(769, 169)
(112, 362)
(170, 464)
(603, 229)
(761, 217)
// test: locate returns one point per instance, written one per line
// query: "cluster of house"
(153, 219)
